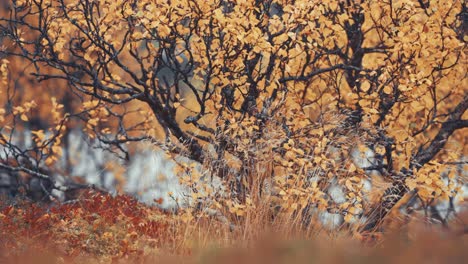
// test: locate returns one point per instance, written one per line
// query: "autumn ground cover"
(100, 228)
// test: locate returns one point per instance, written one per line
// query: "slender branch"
(320, 71)
(23, 169)
(453, 123)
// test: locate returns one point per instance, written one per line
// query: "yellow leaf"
(365, 86)
(290, 155)
(387, 90)
(49, 161)
(24, 117)
(18, 110)
(364, 103)
(57, 150)
(348, 218)
(299, 151)
(355, 179)
(39, 134)
(428, 180)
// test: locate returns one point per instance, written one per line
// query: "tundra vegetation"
(305, 118)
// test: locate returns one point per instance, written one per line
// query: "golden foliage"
(282, 90)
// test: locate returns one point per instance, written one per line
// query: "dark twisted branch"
(398, 191)
(453, 123)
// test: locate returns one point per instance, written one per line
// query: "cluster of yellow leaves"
(355, 193)
(23, 110)
(435, 46)
(59, 120)
(97, 113)
(295, 197)
(57, 117)
(239, 209)
(4, 71)
(2, 114)
(50, 142)
(241, 132)
(4, 82)
(50, 146)
(431, 186)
